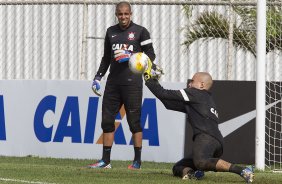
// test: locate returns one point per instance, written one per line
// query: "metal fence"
(64, 39)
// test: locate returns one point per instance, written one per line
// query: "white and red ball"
(138, 62)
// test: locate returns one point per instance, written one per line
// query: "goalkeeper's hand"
(122, 55)
(153, 71)
(157, 72)
(96, 86)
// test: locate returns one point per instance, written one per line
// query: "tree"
(211, 25)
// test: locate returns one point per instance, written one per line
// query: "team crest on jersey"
(131, 35)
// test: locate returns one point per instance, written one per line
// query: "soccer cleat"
(135, 165)
(248, 174)
(100, 164)
(197, 175)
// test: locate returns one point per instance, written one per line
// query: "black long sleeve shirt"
(134, 39)
(197, 104)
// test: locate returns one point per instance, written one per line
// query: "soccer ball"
(138, 62)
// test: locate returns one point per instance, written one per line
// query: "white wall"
(45, 42)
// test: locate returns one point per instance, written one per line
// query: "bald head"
(123, 4)
(202, 81)
(206, 79)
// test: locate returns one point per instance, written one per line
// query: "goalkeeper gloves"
(148, 71)
(96, 85)
(122, 55)
(157, 72)
(153, 71)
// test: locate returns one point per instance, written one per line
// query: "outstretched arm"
(166, 94)
(172, 99)
(174, 105)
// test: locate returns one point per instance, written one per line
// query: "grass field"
(48, 170)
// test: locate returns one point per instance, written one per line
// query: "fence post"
(82, 73)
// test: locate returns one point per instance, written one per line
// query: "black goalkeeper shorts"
(114, 97)
(205, 154)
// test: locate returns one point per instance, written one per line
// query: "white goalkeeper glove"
(153, 71)
(96, 86)
(122, 55)
(157, 72)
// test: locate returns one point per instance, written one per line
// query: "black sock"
(106, 154)
(137, 151)
(235, 169)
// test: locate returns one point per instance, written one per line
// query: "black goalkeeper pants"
(114, 97)
(205, 154)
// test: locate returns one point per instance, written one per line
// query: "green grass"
(49, 170)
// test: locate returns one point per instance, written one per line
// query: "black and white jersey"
(197, 104)
(134, 39)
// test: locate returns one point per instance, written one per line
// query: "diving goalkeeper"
(197, 102)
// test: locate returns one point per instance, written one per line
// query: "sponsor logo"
(232, 125)
(122, 47)
(69, 124)
(131, 35)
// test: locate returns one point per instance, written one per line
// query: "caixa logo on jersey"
(69, 124)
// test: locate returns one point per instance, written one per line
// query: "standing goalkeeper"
(122, 87)
(197, 102)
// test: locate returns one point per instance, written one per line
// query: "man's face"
(123, 14)
(195, 82)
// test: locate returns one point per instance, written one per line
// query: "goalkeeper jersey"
(134, 39)
(197, 104)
